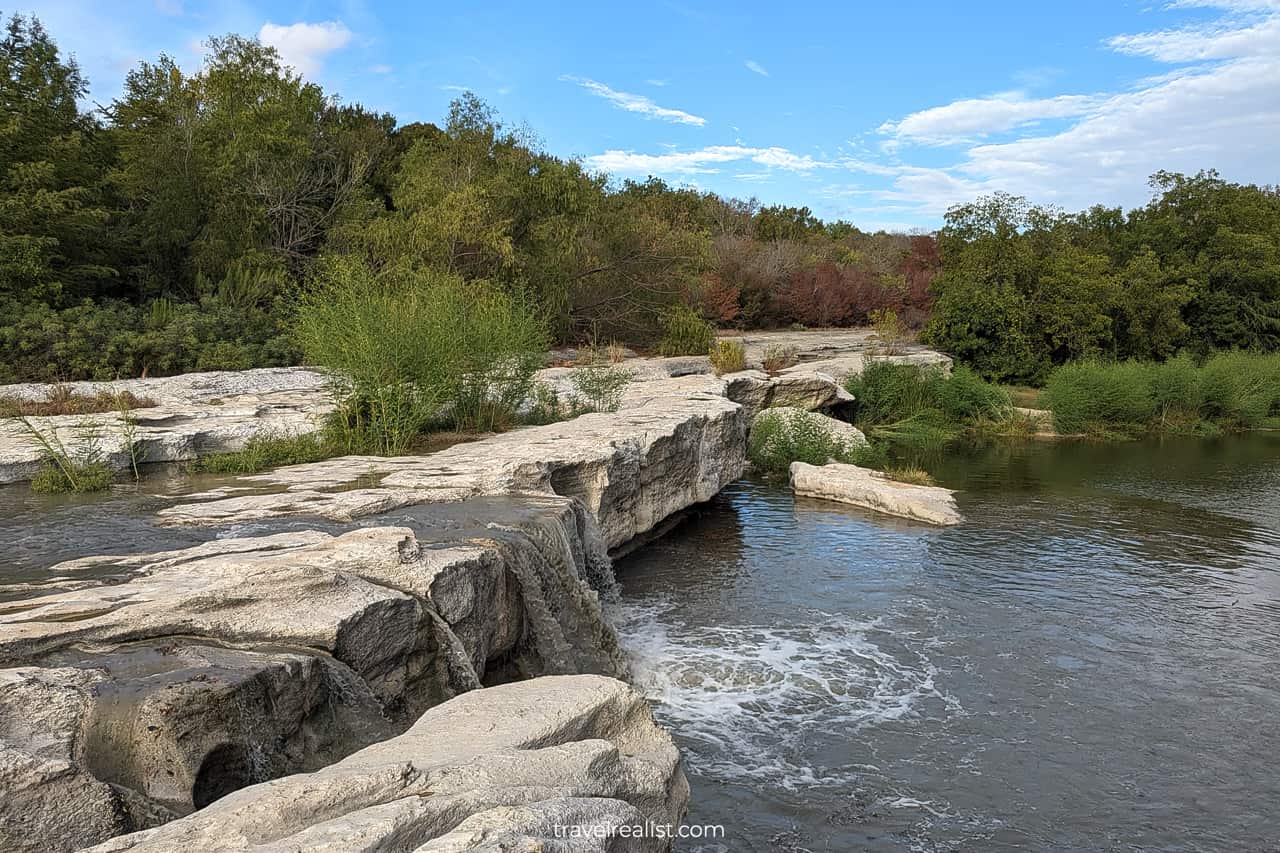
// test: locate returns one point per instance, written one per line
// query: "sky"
(884, 114)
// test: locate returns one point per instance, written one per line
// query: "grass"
(62, 400)
(727, 357)
(779, 357)
(60, 469)
(1023, 396)
(264, 452)
(909, 474)
(795, 436)
(1227, 392)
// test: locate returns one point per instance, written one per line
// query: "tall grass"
(64, 471)
(1233, 390)
(727, 357)
(410, 350)
(263, 452)
(922, 407)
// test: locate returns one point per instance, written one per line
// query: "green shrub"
(890, 332)
(264, 452)
(1176, 397)
(411, 350)
(545, 406)
(598, 387)
(1234, 390)
(113, 339)
(1240, 389)
(965, 396)
(1093, 396)
(728, 357)
(780, 438)
(685, 332)
(925, 407)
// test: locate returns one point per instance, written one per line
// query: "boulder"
(523, 766)
(755, 391)
(872, 490)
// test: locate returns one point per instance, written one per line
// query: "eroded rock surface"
(872, 490)
(518, 767)
(196, 414)
(171, 679)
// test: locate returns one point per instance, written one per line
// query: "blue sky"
(881, 113)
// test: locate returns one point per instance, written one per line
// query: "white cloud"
(381, 68)
(963, 121)
(636, 103)
(702, 161)
(752, 65)
(1222, 40)
(304, 45)
(1218, 107)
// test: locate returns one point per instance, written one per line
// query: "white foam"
(747, 699)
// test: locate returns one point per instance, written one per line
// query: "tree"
(54, 243)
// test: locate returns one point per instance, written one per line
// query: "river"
(1090, 662)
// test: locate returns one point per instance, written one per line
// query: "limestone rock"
(841, 367)
(513, 767)
(871, 490)
(165, 680)
(197, 414)
(755, 391)
(677, 445)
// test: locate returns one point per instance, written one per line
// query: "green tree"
(54, 243)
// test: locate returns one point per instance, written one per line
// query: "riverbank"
(338, 601)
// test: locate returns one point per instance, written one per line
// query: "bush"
(890, 332)
(923, 407)
(406, 351)
(780, 438)
(965, 396)
(1240, 389)
(598, 388)
(1092, 396)
(686, 333)
(728, 357)
(112, 340)
(1234, 390)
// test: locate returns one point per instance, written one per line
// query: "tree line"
(178, 227)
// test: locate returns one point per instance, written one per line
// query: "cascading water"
(1087, 663)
